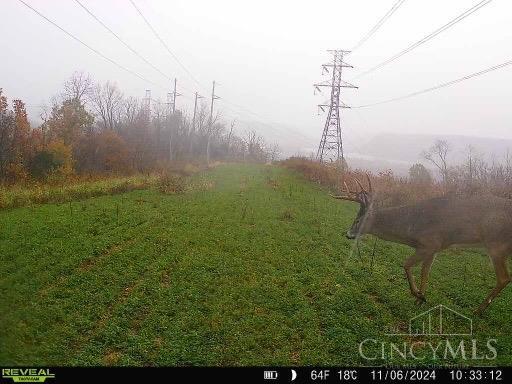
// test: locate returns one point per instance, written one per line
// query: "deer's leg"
(409, 263)
(499, 261)
(425, 271)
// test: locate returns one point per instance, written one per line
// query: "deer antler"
(354, 195)
(347, 189)
(360, 185)
(349, 198)
(369, 183)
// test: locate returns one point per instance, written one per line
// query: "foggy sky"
(265, 56)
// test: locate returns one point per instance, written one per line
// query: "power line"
(85, 44)
(255, 116)
(164, 43)
(153, 30)
(430, 36)
(118, 38)
(121, 40)
(240, 112)
(241, 108)
(442, 85)
(379, 24)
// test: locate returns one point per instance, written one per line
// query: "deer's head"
(364, 198)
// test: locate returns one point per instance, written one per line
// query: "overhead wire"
(164, 44)
(379, 24)
(87, 45)
(439, 86)
(427, 38)
(134, 51)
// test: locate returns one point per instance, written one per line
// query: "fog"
(266, 55)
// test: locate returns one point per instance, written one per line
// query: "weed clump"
(273, 183)
(287, 215)
(170, 183)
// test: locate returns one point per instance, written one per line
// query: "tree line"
(473, 175)
(94, 128)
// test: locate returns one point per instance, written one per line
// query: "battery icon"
(270, 375)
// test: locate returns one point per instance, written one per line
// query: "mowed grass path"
(252, 269)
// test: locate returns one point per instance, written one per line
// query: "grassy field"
(249, 267)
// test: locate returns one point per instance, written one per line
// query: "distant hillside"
(383, 151)
(375, 165)
(398, 152)
(408, 147)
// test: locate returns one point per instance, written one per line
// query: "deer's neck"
(386, 224)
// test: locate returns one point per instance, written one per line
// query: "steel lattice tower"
(330, 149)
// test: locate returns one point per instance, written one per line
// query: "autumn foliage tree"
(6, 134)
(102, 152)
(94, 128)
(68, 121)
(17, 142)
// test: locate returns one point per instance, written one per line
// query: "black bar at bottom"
(267, 375)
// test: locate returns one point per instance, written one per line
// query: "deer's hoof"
(420, 299)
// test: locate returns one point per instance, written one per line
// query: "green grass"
(249, 267)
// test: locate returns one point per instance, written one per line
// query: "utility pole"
(173, 115)
(193, 127)
(210, 123)
(174, 94)
(230, 134)
(330, 149)
(147, 103)
(168, 103)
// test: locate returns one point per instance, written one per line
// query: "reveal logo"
(27, 375)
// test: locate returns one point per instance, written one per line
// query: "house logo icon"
(440, 321)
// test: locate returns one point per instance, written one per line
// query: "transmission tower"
(330, 149)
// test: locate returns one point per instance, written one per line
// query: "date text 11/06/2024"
(409, 374)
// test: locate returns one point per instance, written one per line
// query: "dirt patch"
(165, 280)
(89, 263)
(159, 342)
(273, 183)
(287, 215)
(375, 298)
(111, 358)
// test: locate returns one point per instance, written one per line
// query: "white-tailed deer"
(435, 224)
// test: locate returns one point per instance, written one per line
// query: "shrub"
(419, 174)
(53, 163)
(170, 183)
(43, 163)
(16, 172)
(390, 190)
(102, 152)
(314, 171)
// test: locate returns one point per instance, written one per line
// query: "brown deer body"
(439, 223)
